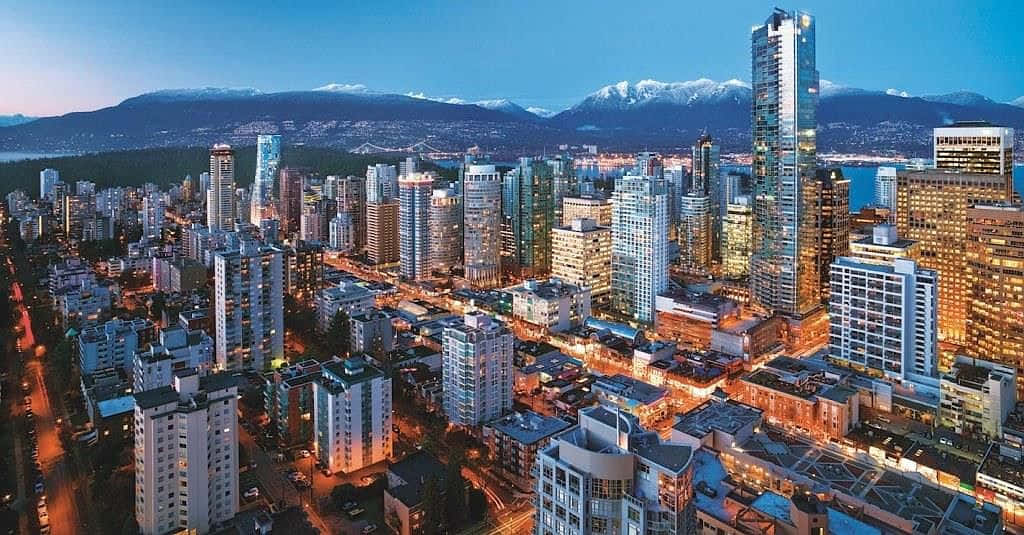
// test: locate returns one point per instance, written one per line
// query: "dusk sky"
(58, 57)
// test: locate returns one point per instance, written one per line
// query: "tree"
(337, 339)
(432, 504)
(477, 505)
(343, 493)
(455, 487)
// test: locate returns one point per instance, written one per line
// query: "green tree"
(477, 505)
(433, 506)
(455, 487)
(337, 339)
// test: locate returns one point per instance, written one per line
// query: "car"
(370, 528)
(252, 493)
(353, 513)
(305, 454)
(295, 476)
(348, 506)
(39, 488)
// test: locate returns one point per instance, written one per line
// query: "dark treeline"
(164, 166)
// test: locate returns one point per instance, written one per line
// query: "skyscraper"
(152, 215)
(885, 190)
(476, 370)
(707, 181)
(290, 199)
(47, 179)
(581, 254)
(587, 207)
(220, 198)
(268, 160)
(932, 210)
(186, 454)
(974, 147)
(832, 193)
(564, 182)
(482, 224)
(445, 230)
(381, 183)
(891, 332)
(342, 233)
(639, 245)
(249, 307)
(382, 246)
(528, 215)
(736, 228)
(415, 192)
(350, 195)
(784, 271)
(695, 232)
(995, 285)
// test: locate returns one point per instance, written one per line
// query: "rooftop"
(727, 416)
(630, 388)
(529, 427)
(550, 289)
(116, 406)
(414, 470)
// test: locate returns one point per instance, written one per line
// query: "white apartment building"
(249, 307)
(608, 475)
(581, 254)
(186, 454)
(553, 304)
(175, 348)
(112, 344)
(883, 318)
(477, 374)
(639, 245)
(342, 233)
(352, 298)
(351, 415)
(152, 215)
(885, 190)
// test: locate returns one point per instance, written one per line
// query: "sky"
(58, 57)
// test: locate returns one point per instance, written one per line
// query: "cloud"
(447, 100)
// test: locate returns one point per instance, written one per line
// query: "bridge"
(370, 148)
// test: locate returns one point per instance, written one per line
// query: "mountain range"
(623, 116)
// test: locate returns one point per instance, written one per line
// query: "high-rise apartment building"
(352, 415)
(974, 147)
(528, 214)
(477, 372)
(885, 190)
(883, 318)
(736, 229)
(445, 230)
(482, 224)
(220, 197)
(587, 207)
(290, 199)
(249, 307)
(932, 210)
(268, 161)
(303, 270)
(152, 215)
(995, 285)
(112, 344)
(581, 254)
(381, 183)
(47, 179)
(186, 454)
(649, 164)
(832, 193)
(639, 245)
(564, 183)
(783, 269)
(415, 192)
(382, 246)
(341, 233)
(350, 194)
(695, 232)
(609, 475)
(706, 180)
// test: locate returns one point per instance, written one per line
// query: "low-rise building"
(403, 497)
(288, 400)
(175, 348)
(513, 441)
(372, 333)
(83, 305)
(554, 305)
(112, 344)
(347, 296)
(689, 318)
(975, 397)
(648, 403)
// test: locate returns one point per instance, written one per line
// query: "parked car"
(348, 506)
(370, 528)
(252, 493)
(353, 513)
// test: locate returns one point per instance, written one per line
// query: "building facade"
(706, 181)
(351, 416)
(268, 161)
(249, 307)
(445, 230)
(527, 216)
(587, 207)
(639, 246)
(477, 372)
(382, 247)
(736, 236)
(482, 224)
(415, 192)
(554, 304)
(696, 232)
(581, 254)
(220, 197)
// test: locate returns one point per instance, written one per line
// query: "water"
(17, 156)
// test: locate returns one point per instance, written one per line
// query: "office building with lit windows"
(885, 190)
(932, 211)
(706, 181)
(783, 269)
(995, 285)
(639, 246)
(581, 254)
(832, 193)
(268, 161)
(249, 307)
(382, 246)
(736, 229)
(973, 147)
(186, 454)
(351, 415)
(587, 207)
(695, 232)
(527, 216)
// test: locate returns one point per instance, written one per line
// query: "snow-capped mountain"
(625, 95)
(1019, 102)
(16, 119)
(961, 98)
(342, 88)
(200, 93)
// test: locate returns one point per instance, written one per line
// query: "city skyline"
(166, 54)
